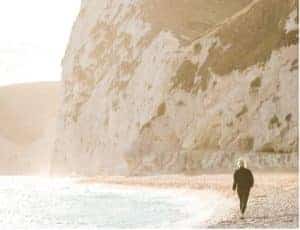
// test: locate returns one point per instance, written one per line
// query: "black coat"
(242, 179)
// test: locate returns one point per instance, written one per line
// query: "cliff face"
(168, 86)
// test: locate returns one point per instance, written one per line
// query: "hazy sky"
(33, 38)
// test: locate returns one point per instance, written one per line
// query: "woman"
(242, 181)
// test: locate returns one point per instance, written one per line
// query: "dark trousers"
(243, 195)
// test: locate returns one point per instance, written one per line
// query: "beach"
(273, 201)
(44, 203)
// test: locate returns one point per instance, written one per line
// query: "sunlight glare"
(34, 35)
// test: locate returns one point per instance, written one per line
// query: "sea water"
(48, 203)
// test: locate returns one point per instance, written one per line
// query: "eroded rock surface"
(169, 86)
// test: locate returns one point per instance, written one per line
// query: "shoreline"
(273, 201)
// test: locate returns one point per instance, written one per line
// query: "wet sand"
(273, 201)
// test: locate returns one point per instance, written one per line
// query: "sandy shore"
(273, 201)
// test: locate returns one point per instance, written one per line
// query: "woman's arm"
(234, 181)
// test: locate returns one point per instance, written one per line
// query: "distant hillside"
(26, 109)
(27, 117)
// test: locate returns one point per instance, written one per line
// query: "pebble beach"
(273, 201)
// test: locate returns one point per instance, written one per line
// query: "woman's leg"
(245, 200)
(240, 194)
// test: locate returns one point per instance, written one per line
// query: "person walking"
(243, 181)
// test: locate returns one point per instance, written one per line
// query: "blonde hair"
(241, 163)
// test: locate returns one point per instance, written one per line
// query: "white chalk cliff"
(167, 86)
